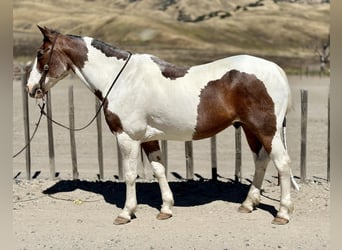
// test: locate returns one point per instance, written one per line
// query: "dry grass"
(280, 31)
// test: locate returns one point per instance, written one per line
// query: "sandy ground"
(67, 214)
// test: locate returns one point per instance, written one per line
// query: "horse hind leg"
(281, 161)
(278, 154)
(261, 160)
(154, 155)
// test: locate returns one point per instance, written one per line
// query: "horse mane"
(109, 50)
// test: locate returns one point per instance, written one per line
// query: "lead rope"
(42, 112)
(33, 134)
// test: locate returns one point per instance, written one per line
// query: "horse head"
(50, 65)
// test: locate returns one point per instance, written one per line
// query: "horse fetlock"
(251, 202)
(286, 207)
(168, 200)
(166, 208)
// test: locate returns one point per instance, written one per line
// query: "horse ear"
(45, 31)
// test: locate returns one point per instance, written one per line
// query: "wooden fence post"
(189, 160)
(328, 143)
(213, 158)
(26, 122)
(50, 136)
(238, 155)
(72, 133)
(164, 154)
(99, 138)
(304, 120)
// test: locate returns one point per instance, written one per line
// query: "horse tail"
(289, 97)
(293, 181)
(284, 133)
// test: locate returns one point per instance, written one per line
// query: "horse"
(146, 99)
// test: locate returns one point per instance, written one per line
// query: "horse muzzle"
(36, 92)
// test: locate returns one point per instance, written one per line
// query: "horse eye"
(40, 53)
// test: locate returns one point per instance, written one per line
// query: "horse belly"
(178, 124)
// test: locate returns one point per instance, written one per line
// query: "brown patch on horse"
(112, 119)
(170, 70)
(76, 49)
(150, 147)
(109, 50)
(68, 51)
(241, 97)
(98, 94)
(253, 142)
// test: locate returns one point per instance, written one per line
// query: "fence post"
(213, 158)
(72, 133)
(26, 122)
(50, 136)
(328, 153)
(189, 160)
(164, 153)
(99, 138)
(304, 120)
(238, 155)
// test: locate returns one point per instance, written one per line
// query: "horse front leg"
(154, 155)
(130, 155)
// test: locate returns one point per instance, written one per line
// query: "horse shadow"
(186, 193)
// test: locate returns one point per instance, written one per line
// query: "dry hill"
(183, 31)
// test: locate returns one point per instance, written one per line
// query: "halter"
(42, 112)
(102, 103)
(47, 65)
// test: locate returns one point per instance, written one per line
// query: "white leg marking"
(159, 172)
(281, 161)
(253, 198)
(130, 156)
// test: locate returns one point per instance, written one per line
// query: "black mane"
(109, 50)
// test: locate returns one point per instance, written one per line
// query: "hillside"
(183, 31)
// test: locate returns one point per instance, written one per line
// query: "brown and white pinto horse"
(153, 100)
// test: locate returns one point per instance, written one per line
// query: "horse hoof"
(280, 221)
(244, 210)
(163, 216)
(121, 221)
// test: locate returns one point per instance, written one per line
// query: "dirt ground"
(67, 214)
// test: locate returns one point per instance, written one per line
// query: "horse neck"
(101, 68)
